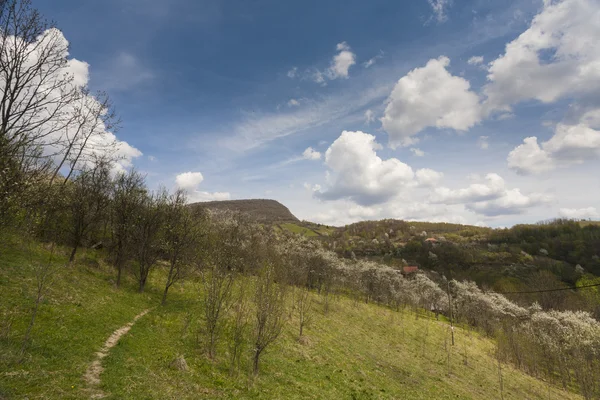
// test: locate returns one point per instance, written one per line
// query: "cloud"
(311, 188)
(199, 196)
(293, 103)
(292, 73)
(427, 177)
(311, 154)
(570, 144)
(490, 198)
(369, 116)
(483, 142)
(90, 136)
(341, 62)
(579, 213)
(510, 203)
(558, 55)
(344, 212)
(189, 181)
(417, 152)
(257, 129)
(429, 96)
(493, 188)
(358, 174)
(439, 8)
(339, 66)
(370, 62)
(529, 158)
(475, 60)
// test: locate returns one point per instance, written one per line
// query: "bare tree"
(49, 121)
(147, 235)
(217, 283)
(269, 300)
(304, 306)
(88, 201)
(241, 311)
(36, 87)
(44, 272)
(181, 235)
(82, 139)
(127, 196)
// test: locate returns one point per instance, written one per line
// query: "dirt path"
(92, 375)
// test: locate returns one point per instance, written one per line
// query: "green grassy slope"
(81, 310)
(354, 351)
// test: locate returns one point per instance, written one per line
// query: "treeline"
(565, 240)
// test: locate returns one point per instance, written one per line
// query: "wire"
(552, 290)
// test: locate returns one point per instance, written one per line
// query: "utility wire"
(552, 290)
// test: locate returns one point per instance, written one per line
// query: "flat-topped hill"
(263, 210)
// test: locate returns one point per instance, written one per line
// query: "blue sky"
(437, 98)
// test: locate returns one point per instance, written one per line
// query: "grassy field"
(352, 351)
(294, 228)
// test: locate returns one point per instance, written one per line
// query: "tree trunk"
(72, 256)
(168, 285)
(29, 328)
(164, 298)
(119, 268)
(255, 361)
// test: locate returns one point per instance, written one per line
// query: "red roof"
(431, 240)
(410, 269)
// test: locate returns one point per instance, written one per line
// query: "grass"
(353, 351)
(294, 228)
(79, 312)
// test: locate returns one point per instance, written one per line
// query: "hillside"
(350, 350)
(261, 210)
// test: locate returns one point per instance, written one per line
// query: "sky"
(470, 111)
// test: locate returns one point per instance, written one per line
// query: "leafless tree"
(217, 284)
(90, 118)
(269, 301)
(127, 196)
(88, 201)
(181, 237)
(304, 307)
(44, 271)
(49, 122)
(147, 235)
(241, 312)
(36, 87)
(221, 259)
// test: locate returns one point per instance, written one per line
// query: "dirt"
(92, 375)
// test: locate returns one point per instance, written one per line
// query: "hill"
(351, 349)
(261, 210)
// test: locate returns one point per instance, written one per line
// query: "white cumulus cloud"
(359, 174)
(429, 96)
(189, 181)
(311, 154)
(342, 62)
(570, 144)
(490, 198)
(558, 55)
